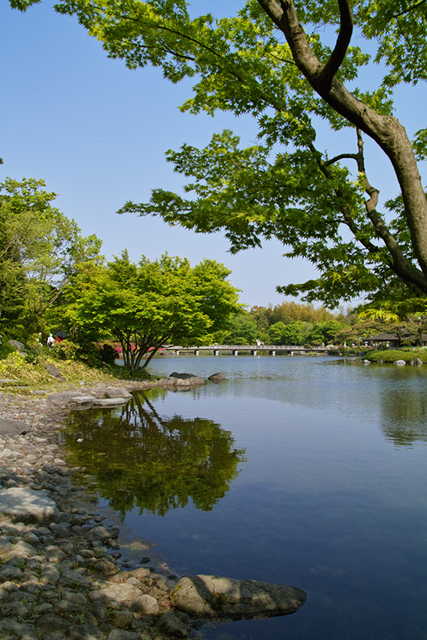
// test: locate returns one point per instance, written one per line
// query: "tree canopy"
(40, 250)
(148, 304)
(290, 65)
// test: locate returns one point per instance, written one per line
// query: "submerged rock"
(204, 596)
(217, 377)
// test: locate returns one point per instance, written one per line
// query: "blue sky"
(97, 132)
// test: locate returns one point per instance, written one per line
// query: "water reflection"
(404, 417)
(140, 459)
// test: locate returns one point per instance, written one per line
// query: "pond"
(304, 471)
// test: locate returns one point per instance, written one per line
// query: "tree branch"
(342, 156)
(387, 131)
(343, 41)
(401, 13)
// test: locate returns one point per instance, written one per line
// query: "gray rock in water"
(25, 505)
(221, 598)
(217, 377)
(182, 376)
(13, 427)
(399, 363)
(417, 362)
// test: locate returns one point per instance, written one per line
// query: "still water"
(303, 471)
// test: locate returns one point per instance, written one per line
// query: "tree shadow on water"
(140, 459)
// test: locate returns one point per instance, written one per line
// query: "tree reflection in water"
(140, 459)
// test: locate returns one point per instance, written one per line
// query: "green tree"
(40, 250)
(281, 63)
(243, 330)
(148, 304)
(324, 332)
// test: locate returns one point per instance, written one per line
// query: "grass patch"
(35, 376)
(398, 354)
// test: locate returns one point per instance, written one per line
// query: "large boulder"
(26, 505)
(219, 598)
(17, 345)
(184, 379)
(13, 427)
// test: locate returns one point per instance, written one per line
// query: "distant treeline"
(293, 323)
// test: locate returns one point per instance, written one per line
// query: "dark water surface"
(304, 471)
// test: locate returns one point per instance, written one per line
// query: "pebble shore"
(67, 580)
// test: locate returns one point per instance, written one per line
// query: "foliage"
(396, 354)
(153, 463)
(5, 348)
(243, 331)
(40, 250)
(34, 374)
(325, 332)
(91, 353)
(276, 62)
(148, 304)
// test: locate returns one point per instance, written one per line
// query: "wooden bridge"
(236, 349)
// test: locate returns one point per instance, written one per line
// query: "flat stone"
(13, 427)
(62, 397)
(99, 402)
(205, 596)
(26, 505)
(399, 363)
(118, 392)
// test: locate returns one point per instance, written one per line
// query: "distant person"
(50, 341)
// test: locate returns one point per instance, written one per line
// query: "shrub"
(108, 353)
(396, 354)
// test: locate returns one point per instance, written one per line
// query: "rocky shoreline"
(62, 580)
(62, 572)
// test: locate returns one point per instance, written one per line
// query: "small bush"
(396, 354)
(108, 353)
(5, 349)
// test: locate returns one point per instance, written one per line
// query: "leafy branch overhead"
(290, 65)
